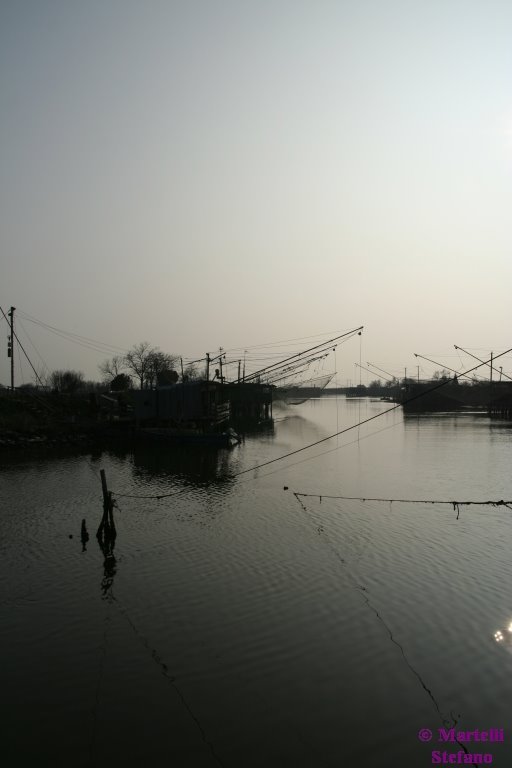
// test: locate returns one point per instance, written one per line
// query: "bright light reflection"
(500, 637)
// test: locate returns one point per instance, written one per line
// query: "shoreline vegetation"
(37, 419)
(32, 418)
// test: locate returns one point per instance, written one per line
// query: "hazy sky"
(229, 173)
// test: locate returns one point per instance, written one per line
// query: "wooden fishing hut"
(195, 404)
(501, 402)
(251, 402)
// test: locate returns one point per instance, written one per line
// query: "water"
(240, 627)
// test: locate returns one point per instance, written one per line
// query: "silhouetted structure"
(455, 395)
(195, 404)
(251, 403)
(106, 536)
(501, 403)
(202, 409)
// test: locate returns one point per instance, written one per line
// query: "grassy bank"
(29, 419)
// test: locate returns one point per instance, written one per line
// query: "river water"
(243, 626)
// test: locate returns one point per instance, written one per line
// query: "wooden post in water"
(106, 536)
(104, 486)
(105, 502)
(107, 520)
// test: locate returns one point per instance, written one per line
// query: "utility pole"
(220, 365)
(239, 364)
(10, 349)
(418, 374)
(207, 366)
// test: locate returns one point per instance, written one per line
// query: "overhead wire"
(84, 341)
(83, 344)
(45, 366)
(285, 341)
(68, 333)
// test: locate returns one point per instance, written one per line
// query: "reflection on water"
(107, 541)
(194, 464)
(234, 627)
(500, 637)
(84, 536)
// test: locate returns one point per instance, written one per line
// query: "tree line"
(143, 366)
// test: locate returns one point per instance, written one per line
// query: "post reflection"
(107, 540)
(197, 465)
(84, 536)
(106, 537)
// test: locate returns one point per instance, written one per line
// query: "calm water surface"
(239, 627)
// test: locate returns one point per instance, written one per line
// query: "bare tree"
(112, 368)
(191, 373)
(41, 377)
(137, 361)
(161, 367)
(149, 364)
(66, 381)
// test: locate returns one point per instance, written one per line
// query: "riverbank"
(52, 419)
(11, 440)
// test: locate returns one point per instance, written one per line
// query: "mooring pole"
(107, 520)
(111, 513)
(104, 488)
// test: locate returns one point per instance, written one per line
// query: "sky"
(201, 174)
